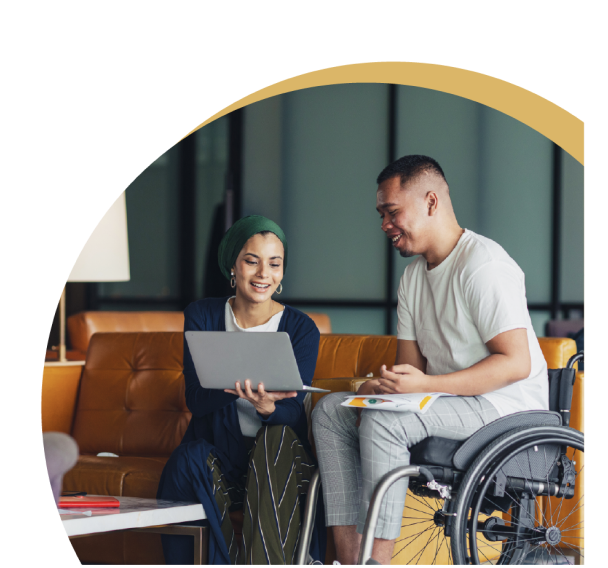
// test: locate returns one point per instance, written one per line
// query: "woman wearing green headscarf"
(246, 455)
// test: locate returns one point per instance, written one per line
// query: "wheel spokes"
(423, 503)
(414, 535)
(419, 554)
(577, 507)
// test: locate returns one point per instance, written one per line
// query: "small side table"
(144, 515)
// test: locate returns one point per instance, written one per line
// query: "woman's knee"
(183, 466)
(174, 477)
(176, 463)
(274, 434)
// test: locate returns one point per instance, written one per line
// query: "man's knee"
(373, 418)
(327, 407)
(383, 426)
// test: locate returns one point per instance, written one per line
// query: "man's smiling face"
(404, 212)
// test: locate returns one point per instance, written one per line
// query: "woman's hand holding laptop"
(262, 400)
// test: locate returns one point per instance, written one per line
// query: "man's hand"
(366, 389)
(401, 379)
(509, 361)
(262, 400)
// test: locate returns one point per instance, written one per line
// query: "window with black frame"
(309, 160)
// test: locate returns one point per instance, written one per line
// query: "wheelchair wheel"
(521, 501)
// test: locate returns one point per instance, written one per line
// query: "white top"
(453, 310)
(248, 416)
(134, 512)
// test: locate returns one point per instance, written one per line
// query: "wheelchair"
(506, 495)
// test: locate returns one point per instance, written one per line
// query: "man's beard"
(406, 253)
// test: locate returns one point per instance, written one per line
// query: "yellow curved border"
(538, 113)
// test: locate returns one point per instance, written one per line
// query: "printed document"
(414, 402)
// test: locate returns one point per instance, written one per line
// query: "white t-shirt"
(453, 310)
(248, 416)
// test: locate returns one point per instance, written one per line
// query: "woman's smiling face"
(258, 269)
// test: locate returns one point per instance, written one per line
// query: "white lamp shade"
(105, 257)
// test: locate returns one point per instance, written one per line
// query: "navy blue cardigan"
(214, 412)
(215, 427)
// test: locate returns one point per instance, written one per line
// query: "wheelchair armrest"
(575, 359)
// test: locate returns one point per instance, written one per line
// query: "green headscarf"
(236, 237)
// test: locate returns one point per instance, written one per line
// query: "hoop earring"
(232, 280)
(280, 288)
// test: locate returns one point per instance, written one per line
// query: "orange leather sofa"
(83, 325)
(131, 403)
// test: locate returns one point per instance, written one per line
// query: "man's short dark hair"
(409, 168)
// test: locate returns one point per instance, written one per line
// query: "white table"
(142, 515)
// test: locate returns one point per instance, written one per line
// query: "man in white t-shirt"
(464, 329)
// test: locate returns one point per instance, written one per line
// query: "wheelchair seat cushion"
(435, 451)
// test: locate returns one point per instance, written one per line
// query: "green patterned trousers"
(272, 496)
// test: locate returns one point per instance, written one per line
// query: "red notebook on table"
(88, 501)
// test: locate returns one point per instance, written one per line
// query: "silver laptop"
(222, 358)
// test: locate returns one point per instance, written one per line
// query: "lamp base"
(52, 355)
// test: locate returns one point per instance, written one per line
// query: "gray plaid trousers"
(352, 460)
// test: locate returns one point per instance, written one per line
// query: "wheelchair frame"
(497, 463)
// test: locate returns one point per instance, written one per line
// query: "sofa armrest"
(344, 384)
(577, 409)
(60, 385)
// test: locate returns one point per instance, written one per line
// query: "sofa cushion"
(83, 325)
(122, 476)
(377, 350)
(119, 547)
(132, 400)
(338, 356)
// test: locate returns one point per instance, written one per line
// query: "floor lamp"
(105, 258)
